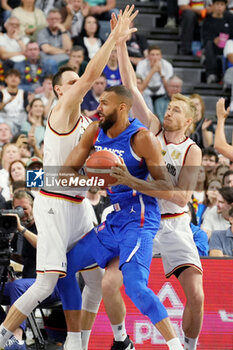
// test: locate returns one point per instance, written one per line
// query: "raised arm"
(99, 61)
(220, 142)
(140, 109)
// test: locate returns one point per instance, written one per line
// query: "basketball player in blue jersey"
(62, 219)
(128, 232)
(174, 238)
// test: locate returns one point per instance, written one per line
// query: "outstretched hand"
(120, 27)
(221, 112)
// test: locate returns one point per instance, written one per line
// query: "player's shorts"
(128, 232)
(174, 241)
(61, 223)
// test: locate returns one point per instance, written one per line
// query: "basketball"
(99, 165)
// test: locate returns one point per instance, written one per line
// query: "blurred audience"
(12, 44)
(173, 86)
(34, 125)
(203, 133)
(221, 242)
(33, 70)
(31, 18)
(13, 101)
(5, 134)
(54, 41)
(76, 60)
(193, 12)
(112, 71)
(155, 72)
(216, 29)
(89, 37)
(91, 99)
(137, 46)
(73, 14)
(209, 161)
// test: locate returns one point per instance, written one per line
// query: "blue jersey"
(121, 146)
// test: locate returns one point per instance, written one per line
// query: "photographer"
(26, 230)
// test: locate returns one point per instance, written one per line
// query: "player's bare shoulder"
(193, 156)
(144, 141)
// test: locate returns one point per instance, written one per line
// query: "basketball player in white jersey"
(62, 218)
(174, 239)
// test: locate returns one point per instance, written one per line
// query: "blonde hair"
(192, 110)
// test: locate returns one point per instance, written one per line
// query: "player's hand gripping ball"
(99, 165)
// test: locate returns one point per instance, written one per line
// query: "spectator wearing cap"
(217, 28)
(13, 102)
(34, 163)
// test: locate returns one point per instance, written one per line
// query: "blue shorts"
(128, 232)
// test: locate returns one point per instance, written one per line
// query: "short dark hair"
(57, 77)
(210, 151)
(227, 194)
(154, 47)
(12, 71)
(227, 173)
(123, 92)
(76, 48)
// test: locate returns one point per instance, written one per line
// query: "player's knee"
(196, 300)
(91, 299)
(111, 282)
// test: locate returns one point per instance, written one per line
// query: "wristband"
(23, 231)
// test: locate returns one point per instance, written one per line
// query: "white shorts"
(60, 224)
(174, 241)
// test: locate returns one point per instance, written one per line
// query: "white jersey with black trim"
(57, 147)
(174, 157)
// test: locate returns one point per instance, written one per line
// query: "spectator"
(227, 180)
(13, 102)
(173, 86)
(137, 47)
(31, 18)
(203, 133)
(74, 14)
(76, 60)
(33, 69)
(155, 71)
(12, 45)
(22, 143)
(89, 37)
(209, 161)
(221, 242)
(10, 152)
(220, 171)
(112, 71)
(217, 28)
(5, 134)
(35, 122)
(209, 202)
(91, 99)
(45, 5)
(223, 160)
(217, 218)
(54, 40)
(199, 192)
(102, 9)
(7, 7)
(47, 95)
(192, 14)
(17, 172)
